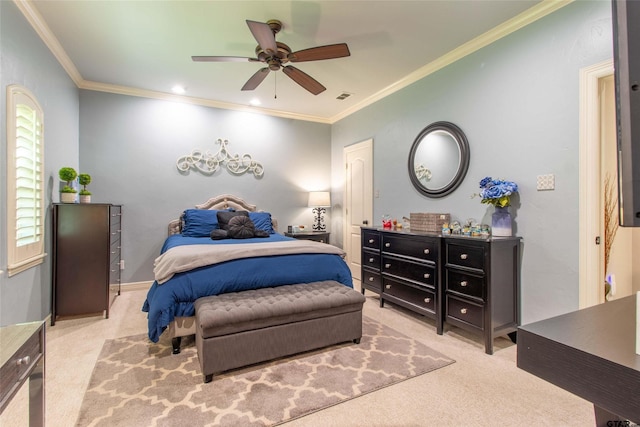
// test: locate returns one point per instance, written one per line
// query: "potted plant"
(68, 193)
(85, 195)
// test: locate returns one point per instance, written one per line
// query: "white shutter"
(25, 173)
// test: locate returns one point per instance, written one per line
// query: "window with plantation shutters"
(25, 176)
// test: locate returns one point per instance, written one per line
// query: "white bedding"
(184, 258)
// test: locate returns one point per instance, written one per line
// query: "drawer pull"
(427, 300)
(24, 360)
(387, 266)
(371, 260)
(371, 279)
(388, 286)
(463, 256)
(463, 310)
(463, 283)
(427, 251)
(371, 241)
(426, 275)
(387, 245)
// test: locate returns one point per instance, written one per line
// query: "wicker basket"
(429, 222)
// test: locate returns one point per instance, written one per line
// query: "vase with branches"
(610, 226)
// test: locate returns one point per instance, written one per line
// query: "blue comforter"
(175, 298)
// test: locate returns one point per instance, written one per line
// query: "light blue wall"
(130, 145)
(25, 60)
(517, 102)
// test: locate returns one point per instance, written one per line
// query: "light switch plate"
(546, 182)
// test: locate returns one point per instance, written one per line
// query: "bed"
(192, 265)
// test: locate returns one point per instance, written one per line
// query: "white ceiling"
(145, 47)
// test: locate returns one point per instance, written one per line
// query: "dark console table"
(592, 354)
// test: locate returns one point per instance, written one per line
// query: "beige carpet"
(137, 383)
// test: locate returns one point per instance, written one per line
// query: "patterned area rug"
(138, 383)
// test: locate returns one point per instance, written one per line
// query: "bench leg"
(356, 341)
(208, 378)
(175, 343)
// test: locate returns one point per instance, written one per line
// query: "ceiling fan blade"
(331, 51)
(304, 80)
(256, 79)
(223, 59)
(264, 36)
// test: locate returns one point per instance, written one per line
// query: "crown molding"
(525, 18)
(126, 90)
(40, 26)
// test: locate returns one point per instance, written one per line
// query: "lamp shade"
(319, 199)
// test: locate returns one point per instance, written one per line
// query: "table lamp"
(319, 201)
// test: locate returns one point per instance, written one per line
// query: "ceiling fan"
(276, 54)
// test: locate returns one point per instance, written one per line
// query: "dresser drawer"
(465, 256)
(465, 311)
(423, 298)
(372, 281)
(370, 239)
(421, 248)
(413, 271)
(371, 260)
(466, 284)
(20, 363)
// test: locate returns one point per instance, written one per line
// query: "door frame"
(591, 277)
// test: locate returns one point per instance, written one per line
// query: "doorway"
(358, 200)
(598, 164)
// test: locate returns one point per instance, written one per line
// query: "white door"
(358, 199)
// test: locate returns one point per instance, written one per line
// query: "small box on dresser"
(481, 282)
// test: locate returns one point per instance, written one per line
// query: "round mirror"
(439, 159)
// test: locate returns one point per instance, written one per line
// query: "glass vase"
(501, 222)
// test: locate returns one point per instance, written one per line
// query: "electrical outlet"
(546, 182)
(377, 195)
(121, 264)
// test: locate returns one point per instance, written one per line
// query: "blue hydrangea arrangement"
(497, 192)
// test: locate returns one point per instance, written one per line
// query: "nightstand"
(318, 236)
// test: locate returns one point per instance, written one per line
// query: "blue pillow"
(262, 221)
(199, 222)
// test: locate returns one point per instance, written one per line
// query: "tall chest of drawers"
(467, 282)
(481, 282)
(86, 258)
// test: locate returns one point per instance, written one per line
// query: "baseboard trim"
(135, 286)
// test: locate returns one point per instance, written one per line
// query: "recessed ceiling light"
(178, 89)
(255, 102)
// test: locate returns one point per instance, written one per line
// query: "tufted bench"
(242, 328)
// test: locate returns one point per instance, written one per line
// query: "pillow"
(241, 227)
(262, 221)
(218, 234)
(225, 216)
(199, 222)
(261, 233)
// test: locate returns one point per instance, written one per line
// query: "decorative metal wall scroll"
(208, 163)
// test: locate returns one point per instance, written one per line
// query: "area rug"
(138, 383)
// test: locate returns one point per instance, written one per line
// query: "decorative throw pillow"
(262, 221)
(261, 233)
(218, 234)
(199, 222)
(241, 227)
(225, 217)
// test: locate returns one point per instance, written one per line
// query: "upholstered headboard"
(224, 201)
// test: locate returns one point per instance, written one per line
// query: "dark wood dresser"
(468, 282)
(86, 258)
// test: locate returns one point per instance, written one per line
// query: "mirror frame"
(463, 166)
